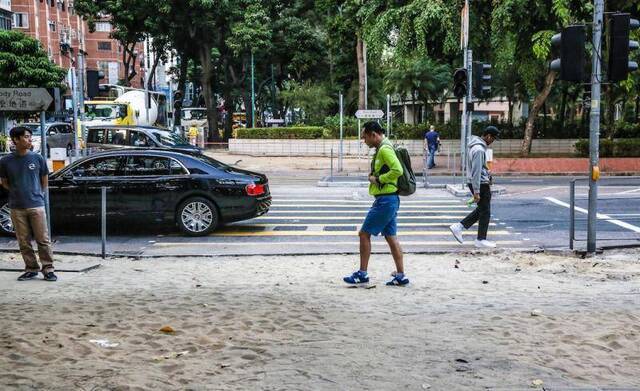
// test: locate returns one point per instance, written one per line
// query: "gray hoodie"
(477, 170)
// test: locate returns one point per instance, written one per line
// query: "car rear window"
(212, 162)
(170, 139)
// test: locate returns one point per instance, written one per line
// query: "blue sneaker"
(398, 281)
(357, 278)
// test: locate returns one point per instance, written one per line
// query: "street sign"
(24, 99)
(369, 114)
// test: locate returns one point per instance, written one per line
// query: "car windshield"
(170, 139)
(194, 114)
(102, 110)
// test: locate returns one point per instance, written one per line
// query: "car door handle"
(166, 187)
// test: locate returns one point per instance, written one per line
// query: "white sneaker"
(456, 229)
(485, 244)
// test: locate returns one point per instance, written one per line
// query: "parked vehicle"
(128, 109)
(191, 191)
(117, 137)
(59, 135)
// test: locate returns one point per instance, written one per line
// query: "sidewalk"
(501, 321)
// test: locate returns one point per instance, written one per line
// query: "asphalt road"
(306, 219)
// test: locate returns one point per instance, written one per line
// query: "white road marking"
(629, 191)
(598, 215)
(380, 242)
(531, 191)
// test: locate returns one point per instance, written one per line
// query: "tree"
(515, 24)
(127, 18)
(23, 63)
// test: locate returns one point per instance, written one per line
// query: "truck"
(127, 109)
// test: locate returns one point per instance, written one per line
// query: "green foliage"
(349, 126)
(313, 99)
(629, 147)
(295, 132)
(23, 63)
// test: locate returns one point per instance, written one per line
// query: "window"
(103, 27)
(152, 165)
(106, 166)
(104, 46)
(116, 137)
(139, 139)
(96, 136)
(21, 20)
(52, 25)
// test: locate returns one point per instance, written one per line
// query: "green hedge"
(302, 132)
(624, 147)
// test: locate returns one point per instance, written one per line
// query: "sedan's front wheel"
(197, 216)
(6, 225)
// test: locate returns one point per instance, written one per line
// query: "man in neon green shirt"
(381, 219)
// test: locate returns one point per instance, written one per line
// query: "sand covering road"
(505, 321)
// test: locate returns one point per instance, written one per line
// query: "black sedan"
(193, 191)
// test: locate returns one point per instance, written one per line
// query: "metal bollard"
(572, 212)
(104, 222)
(331, 173)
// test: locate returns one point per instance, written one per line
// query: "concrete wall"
(323, 147)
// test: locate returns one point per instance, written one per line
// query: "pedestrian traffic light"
(481, 81)
(570, 44)
(93, 82)
(620, 45)
(460, 83)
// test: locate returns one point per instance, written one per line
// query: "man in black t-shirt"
(25, 175)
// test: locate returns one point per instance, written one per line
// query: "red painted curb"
(563, 165)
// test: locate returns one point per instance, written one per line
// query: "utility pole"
(467, 98)
(594, 128)
(366, 80)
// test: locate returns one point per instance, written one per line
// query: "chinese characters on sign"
(24, 99)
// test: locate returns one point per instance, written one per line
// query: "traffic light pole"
(594, 129)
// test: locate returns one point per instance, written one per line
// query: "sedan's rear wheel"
(197, 216)
(6, 225)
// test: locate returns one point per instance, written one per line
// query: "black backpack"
(406, 181)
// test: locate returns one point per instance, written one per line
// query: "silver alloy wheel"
(5, 219)
(196, 216)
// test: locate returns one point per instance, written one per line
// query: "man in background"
(431, 142)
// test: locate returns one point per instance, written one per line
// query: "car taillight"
(255, 190)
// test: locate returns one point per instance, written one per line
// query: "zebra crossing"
(299, 223)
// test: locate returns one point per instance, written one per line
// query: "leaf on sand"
(167, 329)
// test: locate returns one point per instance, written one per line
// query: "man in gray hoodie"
(479, 182)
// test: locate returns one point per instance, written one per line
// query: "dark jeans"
(482, 212)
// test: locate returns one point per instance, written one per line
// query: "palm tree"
(421, 77)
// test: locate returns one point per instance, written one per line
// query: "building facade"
(6, 17)
(63, 33)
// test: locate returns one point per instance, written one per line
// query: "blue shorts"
(382, 216)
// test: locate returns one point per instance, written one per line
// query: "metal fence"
(630, 195)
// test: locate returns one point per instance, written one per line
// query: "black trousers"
(482, 212)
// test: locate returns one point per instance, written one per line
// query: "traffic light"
(570, 44)
(619, 46)
(460, 83)
(481, 81)
(93, 83)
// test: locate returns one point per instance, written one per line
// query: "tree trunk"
(510, 114)
(563, 105)
(209, 97)
(610, 113)
(637, 107)
(413, 108)
(361, 72)
(533, 113)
